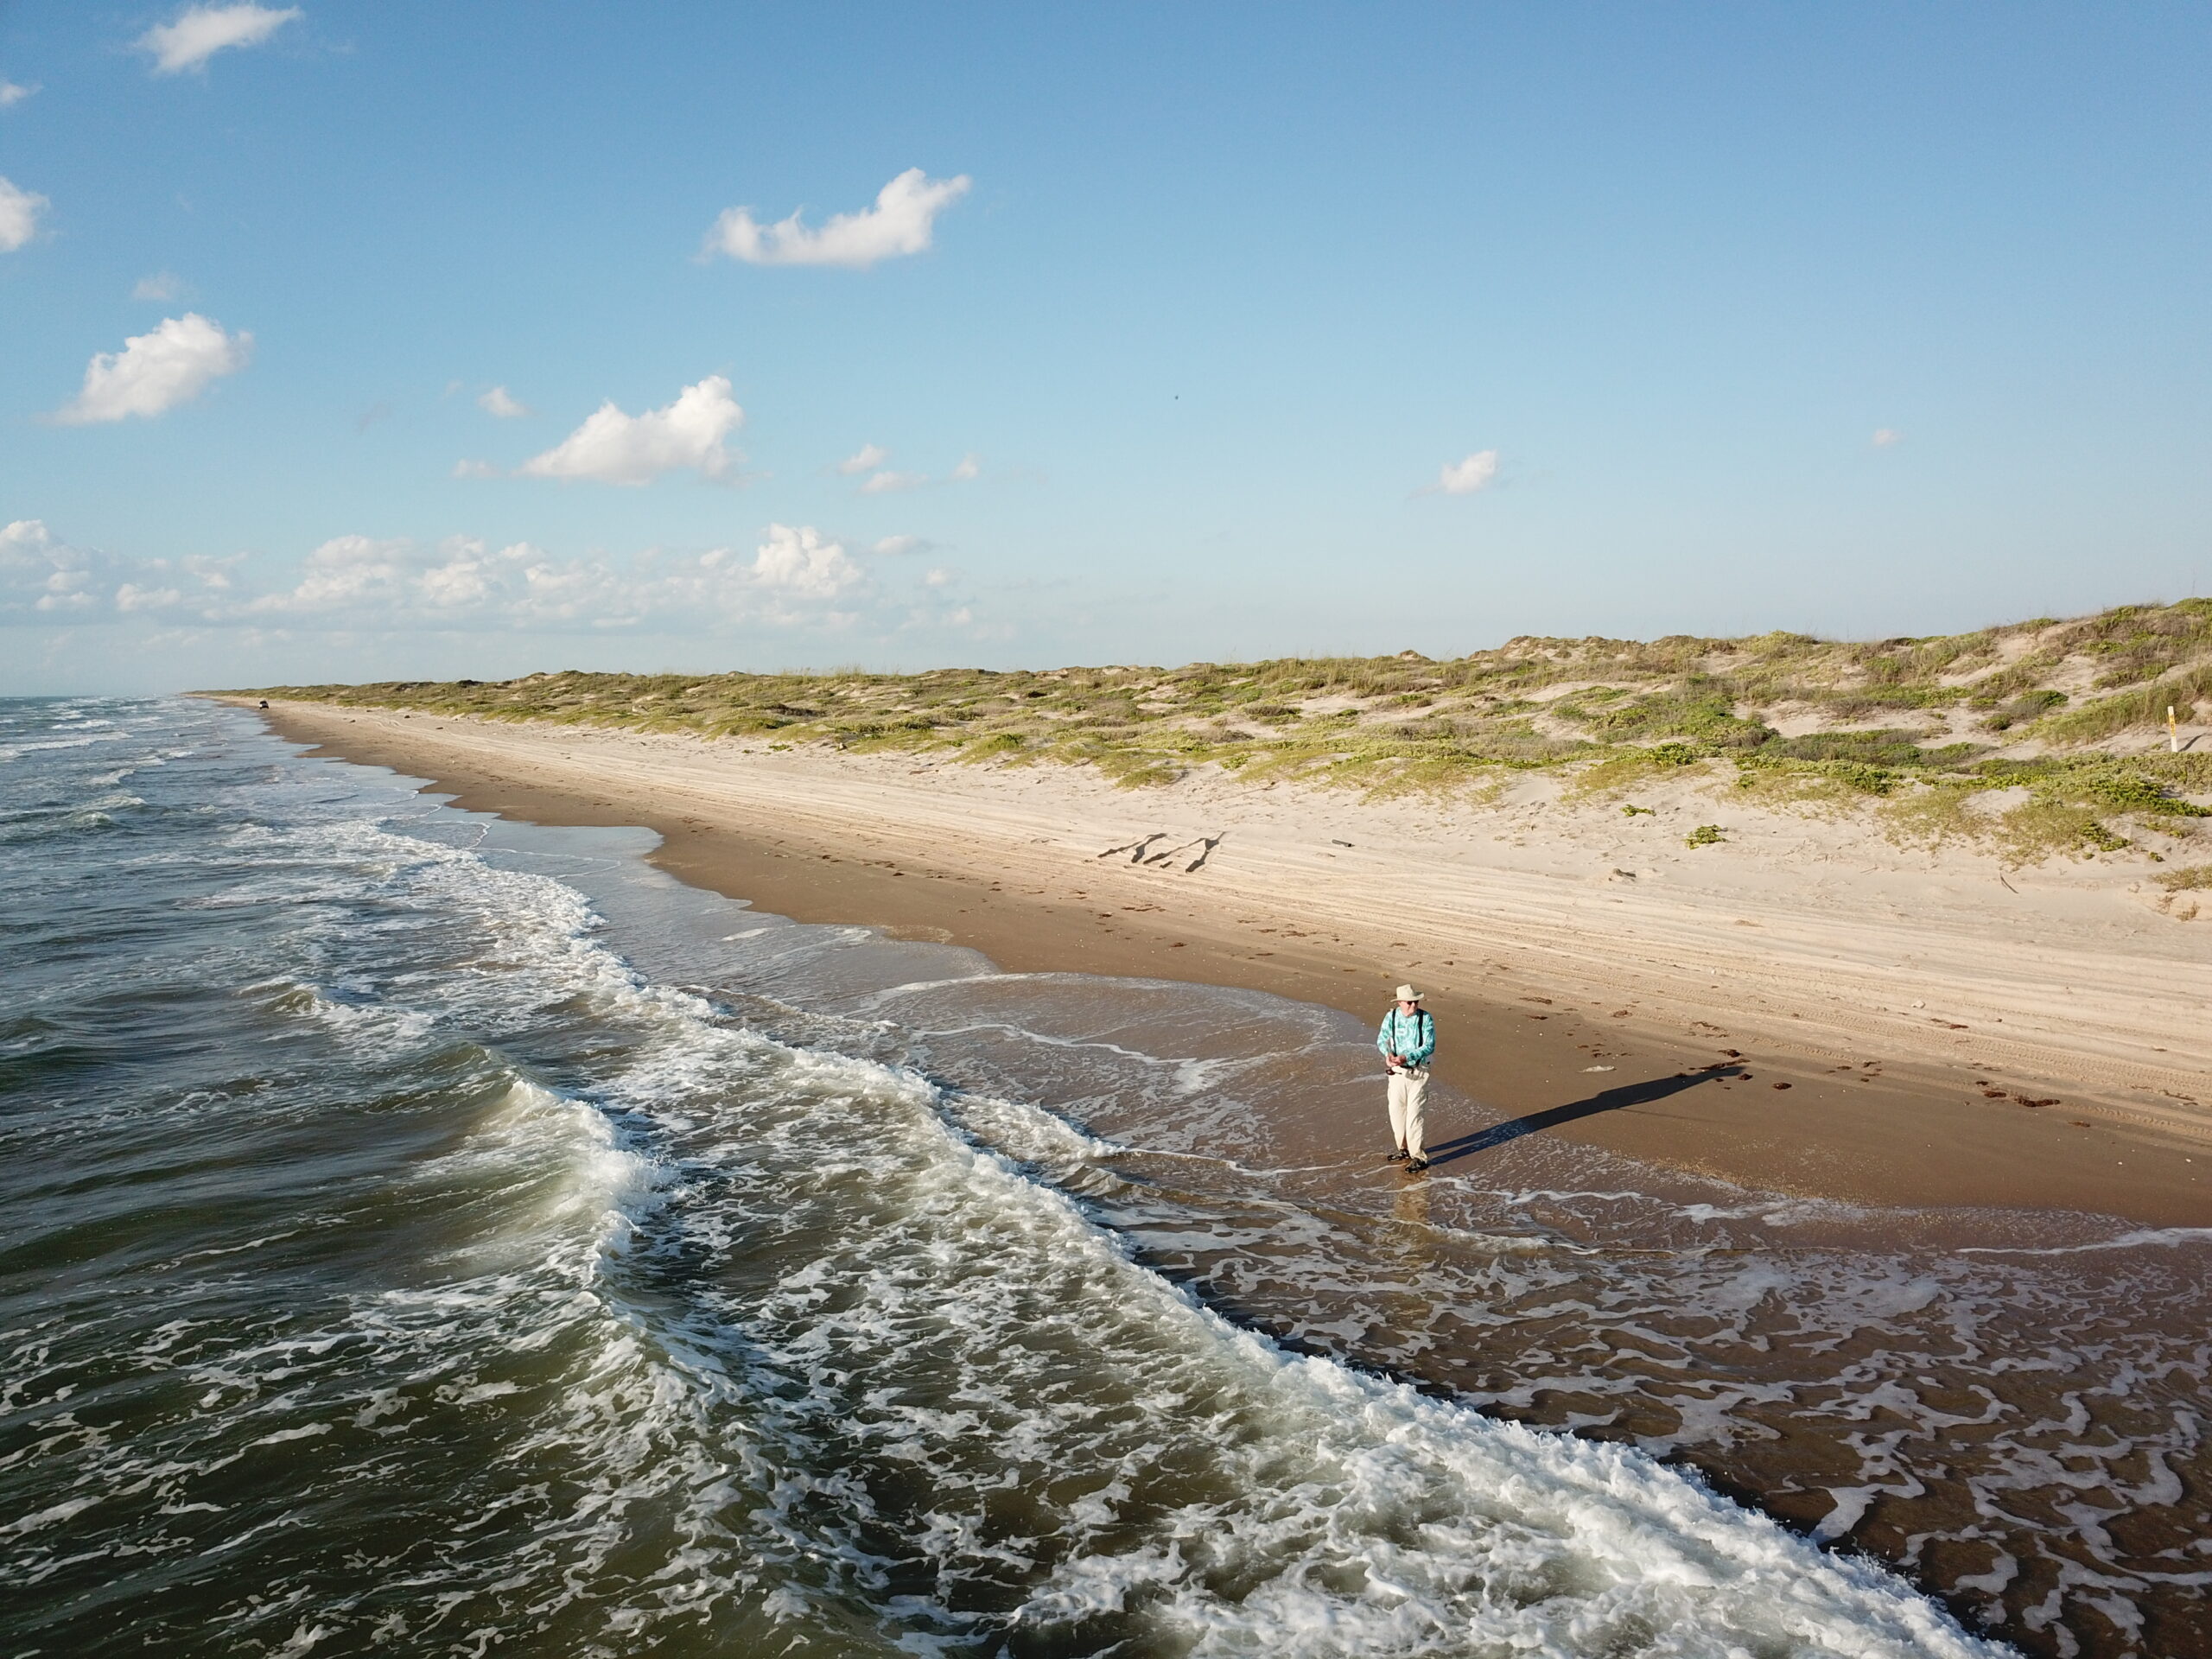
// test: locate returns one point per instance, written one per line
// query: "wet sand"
(1719, 1096)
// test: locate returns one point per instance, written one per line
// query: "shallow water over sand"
(430, 1233)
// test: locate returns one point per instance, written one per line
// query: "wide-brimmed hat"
(1407, 993)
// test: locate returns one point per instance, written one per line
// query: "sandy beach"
(1806, 1008)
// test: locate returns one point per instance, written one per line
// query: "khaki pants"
(1409, 1109)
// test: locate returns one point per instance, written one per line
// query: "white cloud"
(203, 31)
(797, 560)
(161, 286)
(613, 448)
(500, 402)
(1465, 477)
(19, 212)
(939, 577)
(158, 371)
(355, 573)
(131, 597)
(867, 457)
(211, 572)
(890, 483)
(898, 224)
(1885, 438)
(43, 580)
(12, 94)
(793, 576)
(474, 469)
(894, 545)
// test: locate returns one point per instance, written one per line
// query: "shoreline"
(1019, 874)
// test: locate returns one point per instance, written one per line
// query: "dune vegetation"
(2065, 720)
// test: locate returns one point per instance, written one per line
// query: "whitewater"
(433, 1236)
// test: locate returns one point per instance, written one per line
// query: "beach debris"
(1782, 1085)
(1205, 844)
(1948, 1024)
(1339, 843)
(1597, 1068)
(1135, 849)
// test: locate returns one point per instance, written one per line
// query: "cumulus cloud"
(161, 286)
(203, 31)
(891, 483)
(19, 212)
(474, 469)
(894, 545)
(1885, 438)
(211, 572)
(500, 402)
(12, 93)
(795, 575)
(612, 447)
(792, 575)
(43, 579)
(360, 573)
(157, 371)
(867, 457)
(798, 560)
(900, 223)
(1465, 477)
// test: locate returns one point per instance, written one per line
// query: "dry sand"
(1855, 1020)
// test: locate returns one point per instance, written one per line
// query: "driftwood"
(1140, 850)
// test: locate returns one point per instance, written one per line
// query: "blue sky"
(1851, 319)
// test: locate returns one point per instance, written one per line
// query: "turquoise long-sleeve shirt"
(1411, 1037)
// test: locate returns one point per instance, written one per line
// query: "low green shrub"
(2134, 710)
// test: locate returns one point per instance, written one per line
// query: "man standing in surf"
(1408, 1041)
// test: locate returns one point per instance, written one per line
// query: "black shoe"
(1414, 1166)
(1397, 1157)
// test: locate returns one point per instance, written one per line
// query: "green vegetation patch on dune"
(1603, 713)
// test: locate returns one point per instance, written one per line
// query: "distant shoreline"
(1008, 863)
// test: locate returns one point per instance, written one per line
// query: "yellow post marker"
(2173, 732)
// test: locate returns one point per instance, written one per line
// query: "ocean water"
(429, 1235)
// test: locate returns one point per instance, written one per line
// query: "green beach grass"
(1917, 729)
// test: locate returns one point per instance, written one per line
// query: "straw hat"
(1407, 993)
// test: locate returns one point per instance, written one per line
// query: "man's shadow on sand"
(1613, 1100)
